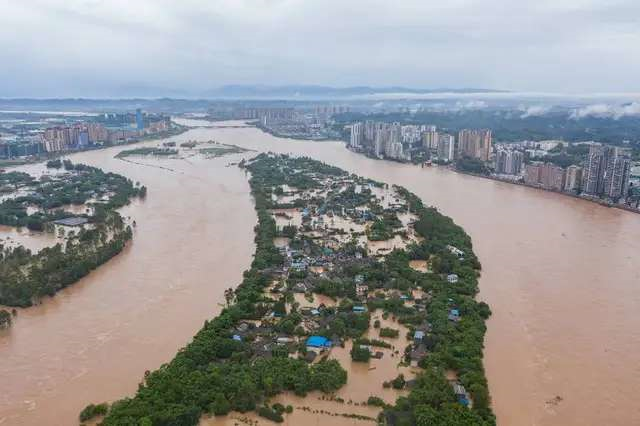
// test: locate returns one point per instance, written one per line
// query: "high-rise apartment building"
(552, 177)
(573, 178)
(139, 119)
(532, 173)
(508, 161)
(594, 169)
(97, 132)
(606, 173)
(370, 132)
(475, 143)
(381, 139)
(545, 175)
(616, 177)
(446, 147)
(430, 139)
(357, 135)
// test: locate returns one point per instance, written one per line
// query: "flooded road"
(561, 276)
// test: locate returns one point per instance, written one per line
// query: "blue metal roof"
(318, 342)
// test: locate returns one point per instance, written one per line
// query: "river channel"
(561, 276)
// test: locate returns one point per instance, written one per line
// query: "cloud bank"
(115, 47)
(607, 111)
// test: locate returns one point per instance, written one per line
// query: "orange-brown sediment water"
(562, 277)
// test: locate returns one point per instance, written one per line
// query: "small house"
(417, 354)
(456, 251)
(318, 343)
(361, 290)
(300, 288)
(310, 356)
(461, 394)
(454, 315)
(299, 266)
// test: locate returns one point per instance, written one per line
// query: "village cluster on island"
(347, 271)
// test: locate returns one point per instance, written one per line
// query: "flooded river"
(561, 276)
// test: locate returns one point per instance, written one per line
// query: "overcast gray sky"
(98, 48)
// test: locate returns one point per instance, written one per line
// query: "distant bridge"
(236, 126)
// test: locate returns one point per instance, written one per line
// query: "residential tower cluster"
(405, 142)
(600, 172)
(79, 132)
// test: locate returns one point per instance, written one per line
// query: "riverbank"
(568, 194)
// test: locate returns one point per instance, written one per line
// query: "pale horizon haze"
(93, 48)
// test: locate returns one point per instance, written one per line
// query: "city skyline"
(114, 49)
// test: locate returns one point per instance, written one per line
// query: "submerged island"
(209, 149)
(75, 203)
(347, 271)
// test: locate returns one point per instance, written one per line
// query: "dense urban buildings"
(312, 122)
(603, 173)
(401, 142)
(384, 139)
(81, 133)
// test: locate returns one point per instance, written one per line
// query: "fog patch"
(607, 111)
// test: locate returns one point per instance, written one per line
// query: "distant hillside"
(315, 92)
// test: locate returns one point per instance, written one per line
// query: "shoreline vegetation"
(263, 343)
(93, 237)
(209, 150)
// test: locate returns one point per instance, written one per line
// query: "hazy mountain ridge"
(317, 91)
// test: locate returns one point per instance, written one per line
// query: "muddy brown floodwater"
(561, 276)
(94, 340)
